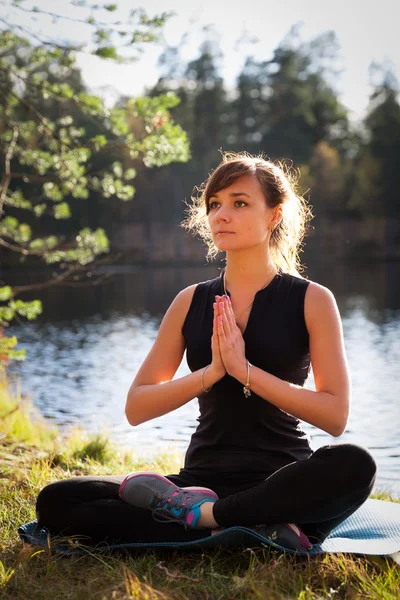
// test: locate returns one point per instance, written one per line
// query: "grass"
(33, 454)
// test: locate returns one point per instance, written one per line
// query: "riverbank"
(32, 454)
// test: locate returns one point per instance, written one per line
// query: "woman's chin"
(223, 244)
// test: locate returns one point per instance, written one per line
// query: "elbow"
(130, 412)
(338, 427)
(130, 417)
(336, 430)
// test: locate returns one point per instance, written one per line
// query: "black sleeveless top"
(249, 438)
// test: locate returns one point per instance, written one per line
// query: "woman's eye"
(213, 204)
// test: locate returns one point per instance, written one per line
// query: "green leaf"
(30, 310)
(17, 199)
(126, 192)
(65, 121)
(44, 243)
(6, 313)
(106, 52)
(62, 211)
(52, 191)
(19, 355)
(99, 141)
(130, 174)
(111, 7)
(39, 209)
(117, 169)
(5, 293)
(12, 228)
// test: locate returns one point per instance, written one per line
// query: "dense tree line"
(287, 108)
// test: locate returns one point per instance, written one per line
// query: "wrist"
(214, 375)
(208, 378)
(240, 372)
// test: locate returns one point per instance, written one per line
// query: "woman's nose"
(223, 214)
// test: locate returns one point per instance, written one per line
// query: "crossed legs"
(317, 494)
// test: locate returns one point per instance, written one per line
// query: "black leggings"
(317, 494)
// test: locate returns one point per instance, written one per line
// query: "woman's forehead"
(245, 183)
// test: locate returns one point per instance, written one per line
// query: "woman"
(250, 336)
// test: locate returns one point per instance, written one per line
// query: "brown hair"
(279, 184)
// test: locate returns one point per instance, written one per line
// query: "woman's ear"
(277, 217)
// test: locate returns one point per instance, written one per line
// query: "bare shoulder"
(186, 294)
(179, 307)
(319, 303)
(183, 300)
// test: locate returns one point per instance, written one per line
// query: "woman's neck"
(244, 270)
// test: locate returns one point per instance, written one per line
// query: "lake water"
(84, 351)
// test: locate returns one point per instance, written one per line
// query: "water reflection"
(85, 349)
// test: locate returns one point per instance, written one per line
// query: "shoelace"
(162, 514)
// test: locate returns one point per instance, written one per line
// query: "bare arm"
(328, 406)
(147, 398)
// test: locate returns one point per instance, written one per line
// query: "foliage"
(61, 147)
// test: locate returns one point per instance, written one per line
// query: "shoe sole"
(167, 481)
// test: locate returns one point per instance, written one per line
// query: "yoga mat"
(373, 529)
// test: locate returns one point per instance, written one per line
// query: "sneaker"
(167, 501)
(288, 535)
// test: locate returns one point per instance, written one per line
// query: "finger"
(216, 310)
(215, 328)
(221, 330)
(227, 321)
(229, 313)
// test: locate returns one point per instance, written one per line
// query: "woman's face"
(239, 217)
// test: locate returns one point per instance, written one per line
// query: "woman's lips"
(224, 232)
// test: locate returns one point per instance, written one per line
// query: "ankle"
(206, 518)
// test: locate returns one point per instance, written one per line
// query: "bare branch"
(27, 177)
(23, 251)
(67, 18)
(49, 283)
(7, 170)
(62, 278)
(30, 33)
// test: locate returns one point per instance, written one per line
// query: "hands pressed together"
(227, 343)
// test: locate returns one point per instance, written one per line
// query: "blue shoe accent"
(167, 501)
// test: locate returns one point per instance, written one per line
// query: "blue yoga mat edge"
(373, 529)
(29, 534)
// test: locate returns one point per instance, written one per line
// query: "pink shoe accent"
(137, 473)
(303, 539)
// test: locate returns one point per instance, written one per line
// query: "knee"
(355, 461)
(362, 462)
(47, 500)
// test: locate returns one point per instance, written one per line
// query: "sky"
(366, 31)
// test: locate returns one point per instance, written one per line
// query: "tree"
(60, 144)
(300, 108)
(377, 173)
